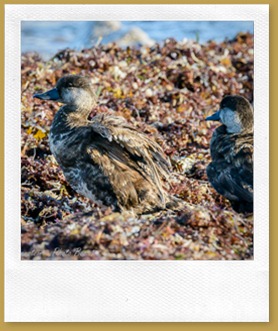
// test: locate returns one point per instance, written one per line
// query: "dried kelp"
(166, 91)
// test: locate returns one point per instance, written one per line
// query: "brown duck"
(231, 147)
(106, 159)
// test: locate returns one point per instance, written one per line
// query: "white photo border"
(136, 291)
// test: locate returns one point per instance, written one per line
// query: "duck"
(231, 149)
(105, 159)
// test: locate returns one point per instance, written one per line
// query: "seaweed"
(166, 91)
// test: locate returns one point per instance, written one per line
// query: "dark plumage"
(106, 159)
(231, 147)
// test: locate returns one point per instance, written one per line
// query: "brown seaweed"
(166, 91)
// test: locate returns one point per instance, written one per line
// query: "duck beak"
(49, 95)
(214, 117)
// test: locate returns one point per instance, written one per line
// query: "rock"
(135, 37)
(104, 28)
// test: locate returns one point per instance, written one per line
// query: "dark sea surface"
(48, 37)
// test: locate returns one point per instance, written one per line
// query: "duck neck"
(84, 105)
(78, 116)
(79, 111)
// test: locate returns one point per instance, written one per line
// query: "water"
(48, 37)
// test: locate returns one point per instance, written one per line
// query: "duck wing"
(232, 174)
(129, 158)
(140, 148)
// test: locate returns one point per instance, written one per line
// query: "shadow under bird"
(231, 147)
(106, 159)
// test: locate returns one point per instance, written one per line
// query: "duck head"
(235, 112)
(73, 90)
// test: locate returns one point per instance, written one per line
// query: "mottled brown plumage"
(231, 169)
(106, 159)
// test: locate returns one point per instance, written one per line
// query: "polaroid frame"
(136, 291)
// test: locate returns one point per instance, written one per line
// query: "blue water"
(48, 37)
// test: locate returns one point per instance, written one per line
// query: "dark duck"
(105, 159)
(231, 148)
